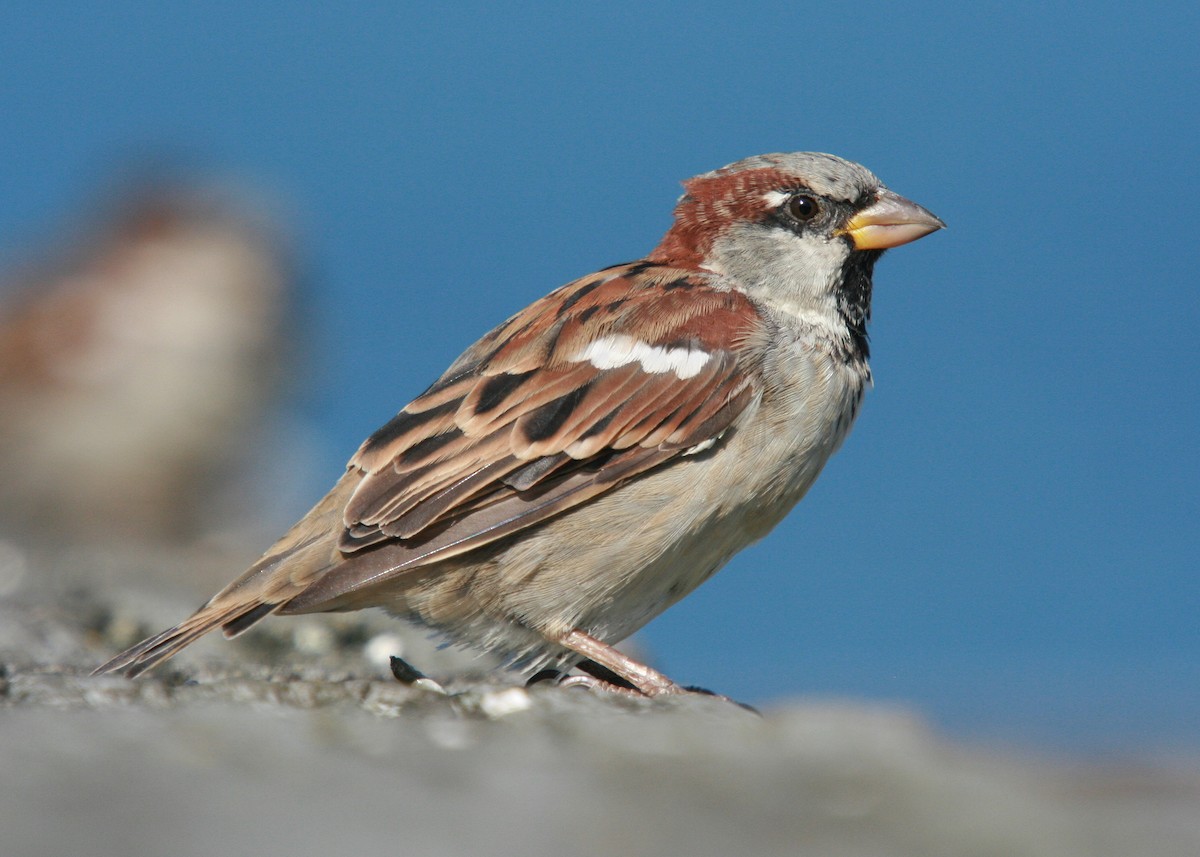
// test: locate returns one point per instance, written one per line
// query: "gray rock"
(311, 749)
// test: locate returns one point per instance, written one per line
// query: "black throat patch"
(854, 299)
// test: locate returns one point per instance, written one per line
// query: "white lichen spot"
(502, 703)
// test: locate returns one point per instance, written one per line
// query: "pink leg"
(648, 682)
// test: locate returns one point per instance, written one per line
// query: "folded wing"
(600, 381)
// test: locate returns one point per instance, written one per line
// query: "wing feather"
(578, 393)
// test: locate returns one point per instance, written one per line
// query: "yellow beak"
(890, 221)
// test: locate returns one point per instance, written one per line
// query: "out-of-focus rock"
(328, 755)
(134, 362)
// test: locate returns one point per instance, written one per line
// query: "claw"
(555, 676)
(593, 683)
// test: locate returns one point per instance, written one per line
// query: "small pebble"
(502, 703)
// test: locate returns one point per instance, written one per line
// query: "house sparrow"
(132, 362)
(596, 457)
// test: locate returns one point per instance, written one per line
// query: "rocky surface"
(295, 740)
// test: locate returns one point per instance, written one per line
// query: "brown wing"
(588, 387)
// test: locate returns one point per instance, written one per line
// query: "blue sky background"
(1008, 540)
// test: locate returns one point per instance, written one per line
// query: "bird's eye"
(803, 207)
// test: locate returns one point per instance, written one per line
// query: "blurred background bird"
(137, 354)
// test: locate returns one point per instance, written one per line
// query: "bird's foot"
(592, 683)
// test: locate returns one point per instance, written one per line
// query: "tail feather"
(305, 552)
(238, 624)
(137, 659)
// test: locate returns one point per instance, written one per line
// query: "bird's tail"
(234, 618)
(306, 552)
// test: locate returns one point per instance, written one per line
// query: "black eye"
(802, 207)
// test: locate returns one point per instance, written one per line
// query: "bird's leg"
(603, 660)
(613, 672)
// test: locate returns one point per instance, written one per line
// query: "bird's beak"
(890, 221)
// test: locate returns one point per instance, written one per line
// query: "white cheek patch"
(613, 351)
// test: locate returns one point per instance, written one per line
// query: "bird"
(134, 360)
(596, 457)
